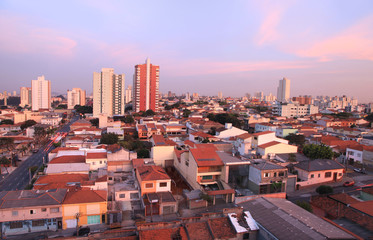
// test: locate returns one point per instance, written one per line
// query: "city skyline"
(324, 48)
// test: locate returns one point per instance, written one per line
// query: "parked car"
(359, 170)
(348, 184)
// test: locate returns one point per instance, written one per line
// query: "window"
(134, 195)
(122, 195)
(274, 174)
(312, 176)
(32, 211)
(339, 174)
(38, 223)
(148, 185)
(14, 225)
(359, 154)
(266, 174)
(207, 177)
(93, 219)
(43, 209)
(100, 162)
(93, 163)
(14, 213)
(328, 174)
(163, 184)
(319, 175)
(55, 209)
(187, 163)
(281, 174)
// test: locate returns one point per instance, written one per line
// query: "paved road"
(20, 177)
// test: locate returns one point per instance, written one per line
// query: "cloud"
(200, 67)
(272, 15)
(353, 43)
(20, 37)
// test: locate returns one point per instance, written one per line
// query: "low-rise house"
(368, 155)
(265, 137)
(162, 151)
(263, 127)
(270, 149)
(68, 164)
(54, 181)
(153, 179)
(96, 160)
(283, 132)
(354, 154)
(84, 207)
(243, 143)
(229, 131)
(266, 177)
(318, 171)
(26, 211)
(281, 219)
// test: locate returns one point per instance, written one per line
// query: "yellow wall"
(85, 209)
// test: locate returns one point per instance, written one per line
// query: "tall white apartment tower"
(40, 94)
(25, 94)
(108, 93)
(283, 90)
(75, 97)
(129, 94)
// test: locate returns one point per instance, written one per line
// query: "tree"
(212, 131)
(149, 112)
(296, 139)
(225, 118)
(186, 113)
(4, 161)
(292, 157)
(83, 109)
(143, 153)
(315, 151)
(128, 119)
(109, 138)
(6, 121)
(305, 205)
(94, 122)
(369, 117)
(27, 124)
(324, 189)
(7, 143)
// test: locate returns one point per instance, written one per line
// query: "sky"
(325, 47)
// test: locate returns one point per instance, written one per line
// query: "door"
(71, 223)
(335, 176)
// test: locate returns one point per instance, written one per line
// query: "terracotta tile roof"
(202, 134)
(85, 196)
(365, 207)
(262, 133)
(206, 156)
(344, 198)
(96, 155)
(162, 234)
(221, 228)
(270, 144)
(137, 162)
(159, 140)
(198, 230)
(368, 148)
(68, 159)
(88, 129)
(113, 148)
(151, 173)
(102, 179)
(189, 143)
(244, 136)
(61, 178)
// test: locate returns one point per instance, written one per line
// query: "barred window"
(38, 223)
(14, 225)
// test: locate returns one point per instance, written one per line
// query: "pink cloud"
(354, 43)
(20, 37)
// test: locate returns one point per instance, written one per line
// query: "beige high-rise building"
(75, 97)
(108, 93)
(25, 95)
(40, 94)
(283, 90)
(129, 94)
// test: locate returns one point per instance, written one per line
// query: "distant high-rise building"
(75, 97)
(5, 98)
(303, 99)
(220, 95)
(283, 90)
(187, 96)
(108, 93)
(146, 87)
(14, 93)
(129, 94)
(40, 94)
(259, 95)
(25, 95)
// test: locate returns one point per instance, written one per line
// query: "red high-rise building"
(146, 87)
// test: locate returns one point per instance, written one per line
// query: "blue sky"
(237, 47)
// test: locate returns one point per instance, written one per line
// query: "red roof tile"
(96, 155)
(150, 173)
(270, 144)
(162, 234)
(206, 156)
(221, 228)
(68, 159)
(198, 230)
(85, 196)
(262, 133)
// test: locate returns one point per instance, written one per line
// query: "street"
(20, 177)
